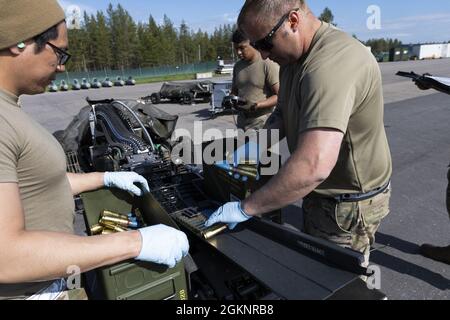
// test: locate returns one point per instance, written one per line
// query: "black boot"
(441, 254)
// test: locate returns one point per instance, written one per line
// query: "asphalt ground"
(417, 123)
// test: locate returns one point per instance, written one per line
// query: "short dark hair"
(267, 11)
(239, 36)
(42, 39)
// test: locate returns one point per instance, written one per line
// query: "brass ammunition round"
(107, 231)
(112, 226)
(96, 229)
(246, 173)
(107, 213)
(209, 234)
(117, 221)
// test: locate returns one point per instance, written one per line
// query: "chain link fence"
(140, 73)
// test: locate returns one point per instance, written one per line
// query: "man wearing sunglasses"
(256, 81)
(37, 244)
(330, 109)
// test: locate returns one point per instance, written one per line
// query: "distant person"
(441, 254)
(255, 80)
(37, 245)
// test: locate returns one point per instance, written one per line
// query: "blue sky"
(410, 21)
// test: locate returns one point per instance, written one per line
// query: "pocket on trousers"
(376, 209)
(346, 216)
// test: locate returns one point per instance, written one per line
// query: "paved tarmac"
(418, 126)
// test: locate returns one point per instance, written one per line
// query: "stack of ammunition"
(244, 171)
(111, 222)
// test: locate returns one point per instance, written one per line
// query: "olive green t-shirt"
(337, 85)
(253, 81)
(31, 157)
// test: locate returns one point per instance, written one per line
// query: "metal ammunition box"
(134, 280)
(222, 187)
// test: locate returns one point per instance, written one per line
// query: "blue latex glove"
(125, 181)
(231, 214)
(163, 245)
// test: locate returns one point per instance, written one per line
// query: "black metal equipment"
(261, 259)
(428, 81)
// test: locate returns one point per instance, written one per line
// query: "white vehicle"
(119, 82)
(430, 51)
(52, 87)
(107, 83)
(224, 68)
(76, 85)
(220, 90)
(63, 86)
(85, 85)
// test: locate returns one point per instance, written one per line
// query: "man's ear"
(18, 48)
(294, 20)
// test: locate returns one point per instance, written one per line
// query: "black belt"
(357, 197)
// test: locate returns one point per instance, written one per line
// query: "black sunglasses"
(63, 56)
(266, 43)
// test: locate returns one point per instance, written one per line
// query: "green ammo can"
(134, 280)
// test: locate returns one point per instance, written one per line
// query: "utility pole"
(199, 53)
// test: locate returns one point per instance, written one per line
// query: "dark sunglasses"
(266, 43)
(63, 56)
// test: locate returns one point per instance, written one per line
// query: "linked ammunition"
(210, 234)
(96, 229)
(107, 231)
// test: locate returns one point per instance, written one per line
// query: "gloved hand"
(249, 152)
(231, 214)
(163, 245)
(422, 85)
(125, 181)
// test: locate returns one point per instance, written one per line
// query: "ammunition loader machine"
(261, 259)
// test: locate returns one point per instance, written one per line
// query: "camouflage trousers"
(348, 224)
(246, 124)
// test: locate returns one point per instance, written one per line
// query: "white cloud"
(434, 27)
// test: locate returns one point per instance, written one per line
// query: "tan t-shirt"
(254, 81)
(31, 157)
(337, 85)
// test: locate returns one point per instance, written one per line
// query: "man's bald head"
(267, 12)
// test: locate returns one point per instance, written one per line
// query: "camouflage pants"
(348, 224)
(246, 124)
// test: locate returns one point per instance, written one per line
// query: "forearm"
(40, 256)
(85, 182)
(268, 103)
(296, 179)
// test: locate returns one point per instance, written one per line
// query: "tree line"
(113, 40)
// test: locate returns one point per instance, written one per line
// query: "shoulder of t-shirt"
(334, 48)
(337, 40)
(10, 130)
